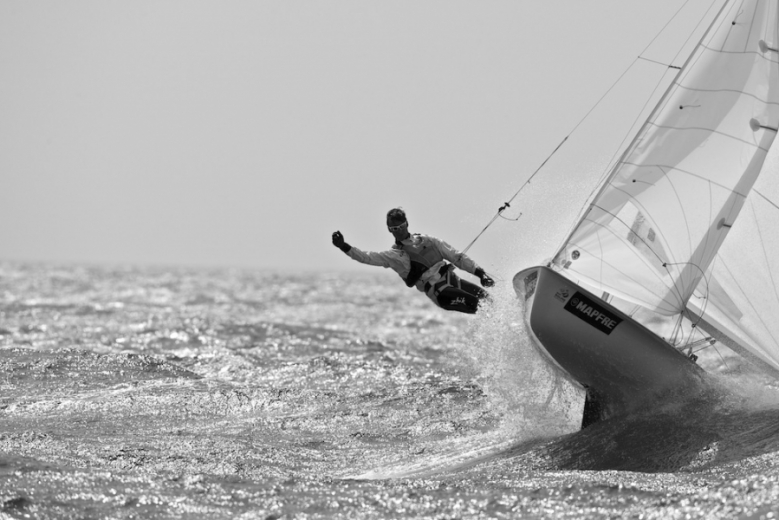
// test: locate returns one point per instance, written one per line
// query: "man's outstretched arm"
(392, 259)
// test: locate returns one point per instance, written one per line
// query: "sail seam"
(704, 129)
(749, 94)
(766, 199)
(687, 172)
(745, 52)
(684, 215)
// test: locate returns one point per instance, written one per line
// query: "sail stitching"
(684, 215)
(707, 130)
(720, 51)
(680, 170)
(753, 96)
(766, 199)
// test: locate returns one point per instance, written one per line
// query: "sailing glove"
(486, 281)
(338, 241)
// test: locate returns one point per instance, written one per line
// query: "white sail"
(654, 230)
(741, 297)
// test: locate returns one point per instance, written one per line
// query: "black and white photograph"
(373, 259)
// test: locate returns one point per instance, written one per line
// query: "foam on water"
(535, 402)
(536, 399)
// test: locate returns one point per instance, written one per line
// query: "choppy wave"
(161, 392)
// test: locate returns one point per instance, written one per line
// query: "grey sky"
(244, 133)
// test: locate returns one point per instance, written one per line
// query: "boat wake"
(458, 455)
(681, 436)
(536, 402)
(691, 435)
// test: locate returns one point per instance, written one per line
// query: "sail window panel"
(603, 255)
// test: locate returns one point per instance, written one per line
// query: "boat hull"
(623, 365)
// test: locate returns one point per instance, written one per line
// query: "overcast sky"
(239, 133)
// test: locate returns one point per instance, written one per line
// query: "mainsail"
(740, 298)
(655, 234)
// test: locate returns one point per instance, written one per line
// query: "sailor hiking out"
(427, 263)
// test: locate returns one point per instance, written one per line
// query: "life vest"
(423, 256)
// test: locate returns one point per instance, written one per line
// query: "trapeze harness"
(446, 289)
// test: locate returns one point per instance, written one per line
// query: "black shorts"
(458, 295)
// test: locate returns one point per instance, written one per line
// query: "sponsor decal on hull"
(562, 294)
(587, 310)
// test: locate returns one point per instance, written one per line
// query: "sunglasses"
(398, 227)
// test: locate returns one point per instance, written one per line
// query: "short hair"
(396, 215)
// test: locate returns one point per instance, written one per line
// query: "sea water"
(184, 393)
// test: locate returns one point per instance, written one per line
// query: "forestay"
(654, 234)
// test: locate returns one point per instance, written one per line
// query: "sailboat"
(682, 227)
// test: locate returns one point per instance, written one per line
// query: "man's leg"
(461, 296)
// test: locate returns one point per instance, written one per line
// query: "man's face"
(398, 229)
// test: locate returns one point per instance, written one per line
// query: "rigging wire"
(508, 204)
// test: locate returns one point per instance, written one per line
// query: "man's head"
(397, 223)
